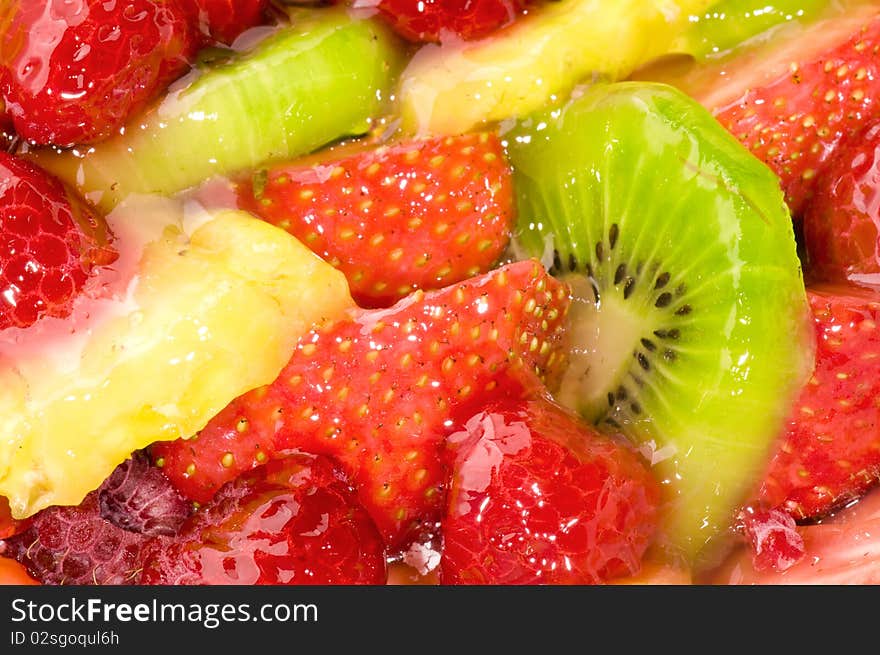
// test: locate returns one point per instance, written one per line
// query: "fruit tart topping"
(539, 497)
(829, 453)
(689, 322)
(294, 521)
(458, 86)
(842, 223)
(83, 545)
(195, 319)
(774, 538)
(76, 71)
(52, 243)
(418, 215)
(379, 392)
(256, 108)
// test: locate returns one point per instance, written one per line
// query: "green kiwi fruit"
(690, 330)
(321, 79)
(730, 23)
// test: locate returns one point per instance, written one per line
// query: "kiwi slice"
(321, 79)
(730, 23)
(689, 326)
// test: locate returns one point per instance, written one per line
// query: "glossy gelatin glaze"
(399, 292)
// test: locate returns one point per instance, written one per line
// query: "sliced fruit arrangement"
(842, 223)
(293, 521)
(541, 57)
(844, 550)
(539, 497)
(311, 83)
(192, 319)
(794, 99)
(690, 319)
(433, 20)
(416, 215)
(829, 454)
(52, 243)
(84, 544)
(76, 72)
(379, 392)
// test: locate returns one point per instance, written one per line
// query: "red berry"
(380, 392)
(77, 70)
(8, 525)
(797, 118)
(419, 215)
(225, 20)
(293, 521)
(79, 545)
(829, 453)
(50, 243)
(436, 20)
(539, 497)
(842, 223)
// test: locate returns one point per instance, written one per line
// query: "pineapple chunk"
(205, 317)
(451, 88)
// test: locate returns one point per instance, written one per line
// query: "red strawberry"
(77, 70)
(774, 537)
(51, 244)
(419, 215)
(830, 452)
(842, 223)
(539, 497)
(379, 393)
(844, 550)
(225, 20)
(436, 20)
(79, 545)
(293, 521)
(796, 119)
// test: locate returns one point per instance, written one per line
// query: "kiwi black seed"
(688, 321)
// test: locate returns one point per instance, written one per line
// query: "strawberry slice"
(293, 521)
(809, 96)
(379, 392)
(539, 497)
(77, 70)
(418, 215)
(434, 20)
(844, 550)
(842, 222)
(830, 451)
(225, 20)
(50, 244)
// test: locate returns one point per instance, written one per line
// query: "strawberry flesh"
(380, 391)
(51, 244)
(829, 453)
(842, 222)
(225, 20)
(796, 121)
(438, 20)
(293, 521)
(774, 537)
(539, 497)
(76, 71)
(418, 215)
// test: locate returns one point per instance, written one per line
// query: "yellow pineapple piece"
(208, 315)
(454, 87)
